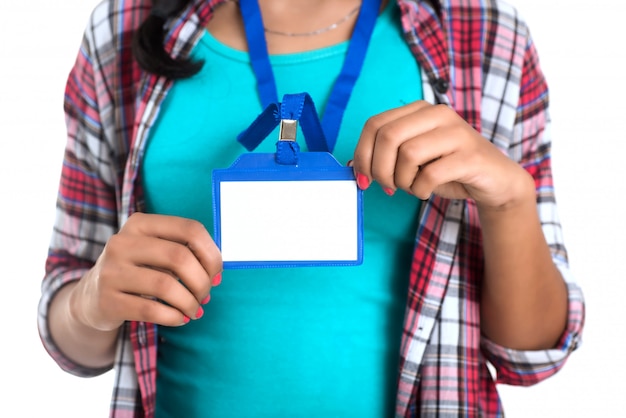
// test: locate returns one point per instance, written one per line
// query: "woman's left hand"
(427, 149)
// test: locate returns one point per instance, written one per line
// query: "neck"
(289, 16)
(321, 30)
(307, 17)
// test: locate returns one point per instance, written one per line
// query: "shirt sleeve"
(525, 368)
(86, 201)
(531, 145)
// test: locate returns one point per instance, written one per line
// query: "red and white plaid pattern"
(476, 56)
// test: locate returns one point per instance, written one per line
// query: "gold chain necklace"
(318, 31)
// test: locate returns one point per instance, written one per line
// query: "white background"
(581, 45)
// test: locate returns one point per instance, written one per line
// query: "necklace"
(317, 31)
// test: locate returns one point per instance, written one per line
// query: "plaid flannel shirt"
(476, 56)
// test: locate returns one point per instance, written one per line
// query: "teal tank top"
(300, 342)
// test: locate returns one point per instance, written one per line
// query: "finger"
(184, 231)
(201, 244)
(444, 176)
(156, 284)
(416, 153)
(363, 153)
(138, 308)
(397, 128)
(164, 255)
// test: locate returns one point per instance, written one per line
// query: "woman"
(447, 130)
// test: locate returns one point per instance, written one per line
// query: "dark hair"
(149, 43)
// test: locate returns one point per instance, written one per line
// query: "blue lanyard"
(295, 108)
(342, 89)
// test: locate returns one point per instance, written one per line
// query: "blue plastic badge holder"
(289, 208)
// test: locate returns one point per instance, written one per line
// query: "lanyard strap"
(294, 107)
(342, 89)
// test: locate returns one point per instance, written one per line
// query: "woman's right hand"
(157, 269)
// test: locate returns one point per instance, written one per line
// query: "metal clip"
(288, 130)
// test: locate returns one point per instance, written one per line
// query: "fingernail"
(362, 181)
(199, 313)
(217, 279)
(349, 163)
(186, 319)
(389, 191)
(206, 300)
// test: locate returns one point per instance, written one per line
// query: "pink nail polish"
(388, 191)
(362, 181)
(206, 300)
(217, 279)
(199, 313)
(186, 319)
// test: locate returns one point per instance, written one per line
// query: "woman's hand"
(157, 269)
(425, 149)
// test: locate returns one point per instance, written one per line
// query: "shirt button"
(441, 85)
(141, 334)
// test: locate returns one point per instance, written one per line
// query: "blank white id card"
(272, 215)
